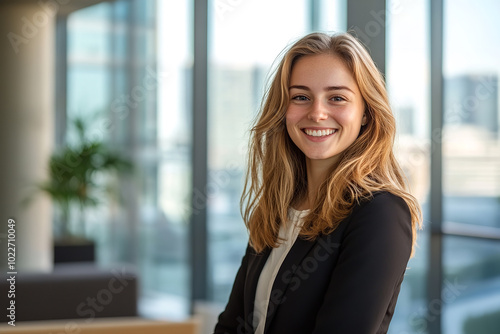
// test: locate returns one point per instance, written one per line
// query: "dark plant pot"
(72, 249)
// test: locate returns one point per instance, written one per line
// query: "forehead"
(324, 68)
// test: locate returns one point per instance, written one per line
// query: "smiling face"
(326, 110)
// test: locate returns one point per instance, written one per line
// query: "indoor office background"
(175, 85)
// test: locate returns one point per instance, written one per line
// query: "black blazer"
(346, 282)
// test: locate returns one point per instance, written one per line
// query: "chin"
(321, 156)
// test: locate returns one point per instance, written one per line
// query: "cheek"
(291, 118)
(350, 119)
(291, 121)
(289, 127)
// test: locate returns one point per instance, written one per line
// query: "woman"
(331, 223)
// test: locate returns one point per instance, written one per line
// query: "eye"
(338, 99)
(300, 98)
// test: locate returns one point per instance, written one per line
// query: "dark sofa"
(73, 291)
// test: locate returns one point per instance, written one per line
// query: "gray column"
(198, 228)
(367, 20)
(26, 127)
(435, 277)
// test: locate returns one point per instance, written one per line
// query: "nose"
(317, 112)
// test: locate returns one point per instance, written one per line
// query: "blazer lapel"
(256, 262)
(285, 275)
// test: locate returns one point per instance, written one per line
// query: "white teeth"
(319, 133)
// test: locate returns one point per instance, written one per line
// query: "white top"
(288, 234)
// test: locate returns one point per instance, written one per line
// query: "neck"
(317, 172)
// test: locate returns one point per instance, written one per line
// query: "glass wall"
(129, 77)
(471, 286)
(168, 276)
(471, 175)
(471, 167)
(407, 67)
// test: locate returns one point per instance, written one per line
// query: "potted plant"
(73, 184)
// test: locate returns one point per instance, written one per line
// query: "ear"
(363, 120)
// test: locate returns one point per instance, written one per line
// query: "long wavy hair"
(276, 178)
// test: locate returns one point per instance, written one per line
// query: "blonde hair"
(276, 176)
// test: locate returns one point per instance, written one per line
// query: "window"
(129, 66)
(407, 67)
(470, 294)
(471, 168)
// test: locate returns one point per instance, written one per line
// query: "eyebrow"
(329, 88)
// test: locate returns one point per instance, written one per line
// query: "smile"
(319, 133)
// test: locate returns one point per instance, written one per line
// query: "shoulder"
(381, 200)
(384, 212)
